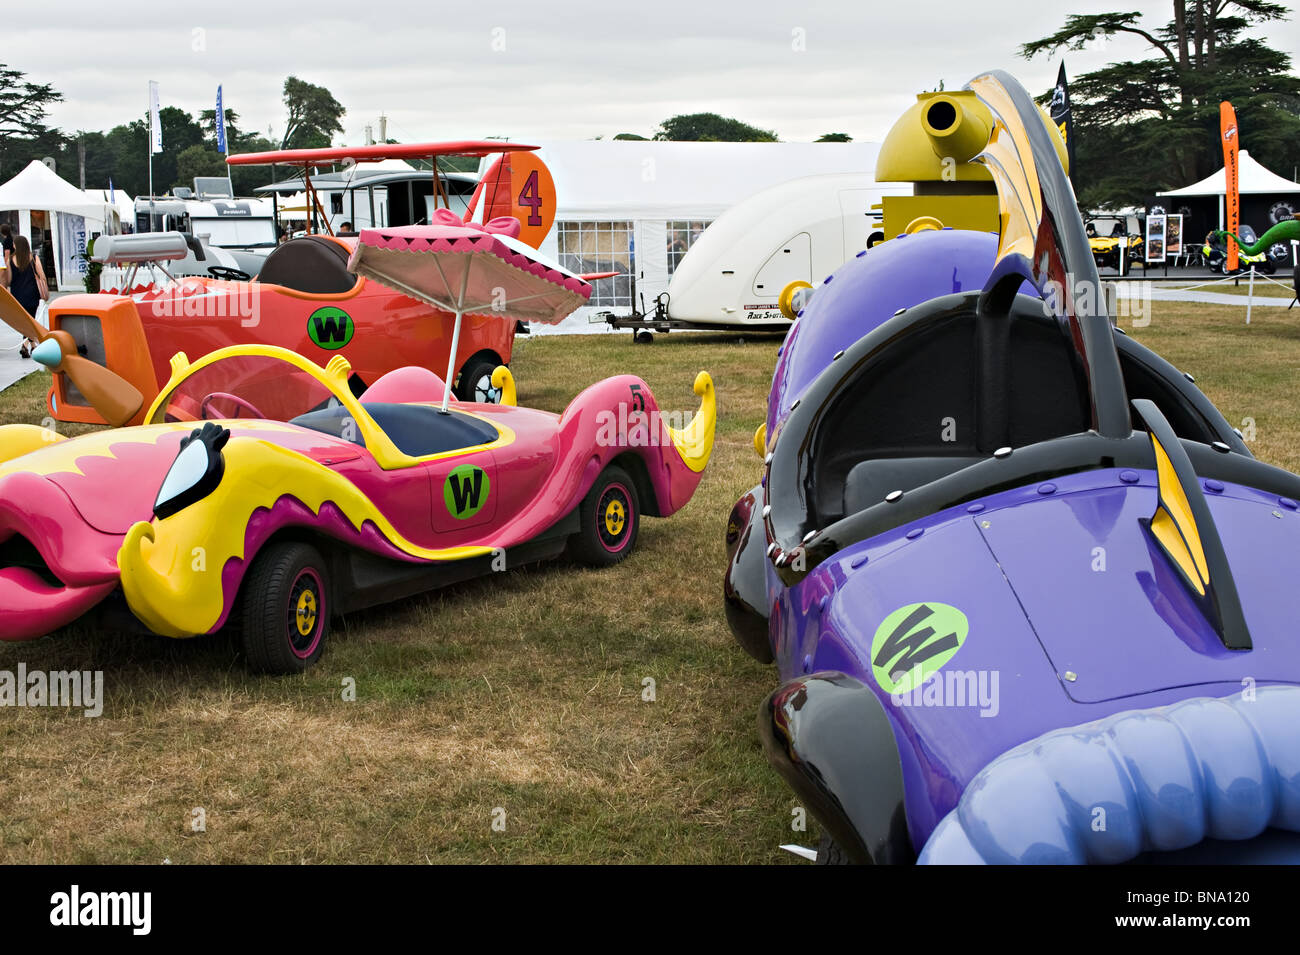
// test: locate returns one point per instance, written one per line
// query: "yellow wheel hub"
(615, 518)
(306, 612)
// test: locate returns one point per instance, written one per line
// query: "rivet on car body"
(1048, 488)
(1214, 486)
(893, 496)
(986, 524)
(1220, 447)
(767, 509)
(858, 561)
(1070, 676)
(772, 548)
(809, 536)
(901, 310)
(796, 403)
(1129, 477)
(974, 508)
(838, 355)
(1002, 453)
(1288, 503)
(1277, 514)
(915, 532)
(1188, 376)
(768, 459)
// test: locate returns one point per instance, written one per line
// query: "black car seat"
(312, 263)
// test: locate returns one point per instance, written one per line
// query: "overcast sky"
(542, 70)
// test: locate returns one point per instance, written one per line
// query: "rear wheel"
(286, 604)
(475, 382)
(610, 517)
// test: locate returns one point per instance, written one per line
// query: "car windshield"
(245, 386)
(236, 232)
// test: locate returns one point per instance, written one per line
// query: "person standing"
(25, 280)
(7, 241)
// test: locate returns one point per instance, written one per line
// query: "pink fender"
(82, 558)
(615, 417)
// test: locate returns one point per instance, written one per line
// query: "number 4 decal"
(529, 196)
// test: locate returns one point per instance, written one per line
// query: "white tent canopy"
(73, 216)
(39, 187)
(1252, 179)
(118, 200)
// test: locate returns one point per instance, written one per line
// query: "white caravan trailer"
(243, 231)
(391, 192)
(797, 231)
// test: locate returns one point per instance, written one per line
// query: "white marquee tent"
(1252, 179)
(74, 216)
(637, 199)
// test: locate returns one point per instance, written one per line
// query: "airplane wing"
(376, 152)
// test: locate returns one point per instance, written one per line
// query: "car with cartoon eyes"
(1026, 591)
(263, 495)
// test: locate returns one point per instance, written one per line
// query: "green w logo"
(915, 641)
(330, 327)
(465, 491)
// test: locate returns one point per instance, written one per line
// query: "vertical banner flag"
(155, 121)
(1231, 197)
(1060, 113)
(221, 124)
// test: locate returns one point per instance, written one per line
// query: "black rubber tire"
(593, 544)
(473, 372)
(829, 853)
(269, 600)
(643, 337)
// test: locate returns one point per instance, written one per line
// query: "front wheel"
(830, 853)
(286, 606)
(610, 516)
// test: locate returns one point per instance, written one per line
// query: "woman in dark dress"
(26, 281)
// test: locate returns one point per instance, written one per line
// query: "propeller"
(115, 398)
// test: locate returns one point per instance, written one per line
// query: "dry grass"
(521, 692)
(1248, 371)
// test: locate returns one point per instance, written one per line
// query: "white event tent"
(73, 217)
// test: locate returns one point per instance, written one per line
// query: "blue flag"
(221, 124)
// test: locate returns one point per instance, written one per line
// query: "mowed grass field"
(515, 698)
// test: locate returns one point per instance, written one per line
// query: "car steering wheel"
(226, 272)
(206, 404)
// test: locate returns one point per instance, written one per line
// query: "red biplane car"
(305, 299)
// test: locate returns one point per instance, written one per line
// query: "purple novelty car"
(1027, 591)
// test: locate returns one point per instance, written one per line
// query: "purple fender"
(1157, 780)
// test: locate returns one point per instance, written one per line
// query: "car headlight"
(195, 473)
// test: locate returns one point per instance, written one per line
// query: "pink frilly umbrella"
(470, 269)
